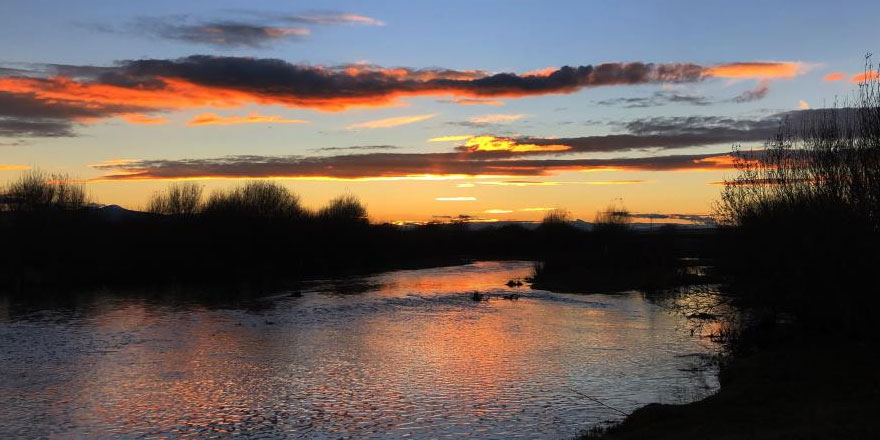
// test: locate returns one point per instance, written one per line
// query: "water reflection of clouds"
(410, 355)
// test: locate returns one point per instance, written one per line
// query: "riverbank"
(822, 391)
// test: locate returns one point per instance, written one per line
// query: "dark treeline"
(258, 232)
(254, 233)
(614, 256)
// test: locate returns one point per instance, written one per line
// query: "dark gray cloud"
(722, 128)
(157, 85)
(258, 30)
(25, 115)
(375, 165)
(12, 71)
(694, 218)
(216, 33)
(657, 99)
(277, 78)
(274, 81)
(27, 105)
(15, 127)
(661, 98)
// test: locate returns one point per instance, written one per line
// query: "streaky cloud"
(11, 167)
(657, 99)
(252, 118)
(392, 165)
(358, 147)
(391, 122)
(759, 92)
(334, 18)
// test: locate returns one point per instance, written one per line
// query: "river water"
(405, 354)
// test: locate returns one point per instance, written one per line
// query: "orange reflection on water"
(406, 354)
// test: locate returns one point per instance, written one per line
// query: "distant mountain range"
(579, 224)
(117, 213)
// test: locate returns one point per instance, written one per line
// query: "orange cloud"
(764, 70)
(717, 160)
(141, 119)
(176, 94)
(866, 76)
(453, 138)
(8, 167)
(835, 76)
(253, 118)
(497, 211)
(492, 143)
(391, 122)
(541, 72)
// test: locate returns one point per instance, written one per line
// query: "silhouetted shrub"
(827, 160)
(612, 218)
(258, 199)
(181, 199)
(803, 217)
(556, 216)
(36, 190)
(344, 209)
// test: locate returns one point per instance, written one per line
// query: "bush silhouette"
(255, 200)
(344, 209)
(37, 190)
(803, 217)
(181, 199)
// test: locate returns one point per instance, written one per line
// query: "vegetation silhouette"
(614, 256)
(179, 199)
(798, 251)
(802, 219)
(38, 191)
(256, 234)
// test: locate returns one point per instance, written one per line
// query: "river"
(404, 354)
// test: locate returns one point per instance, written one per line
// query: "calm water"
(404, 354)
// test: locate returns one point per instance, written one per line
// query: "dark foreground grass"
(827, 391)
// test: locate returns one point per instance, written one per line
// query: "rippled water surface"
(405, 354)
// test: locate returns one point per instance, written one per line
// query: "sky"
(425, 110)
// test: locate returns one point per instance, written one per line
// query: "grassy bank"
(792, 391)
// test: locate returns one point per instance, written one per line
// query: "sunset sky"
(494, 109)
